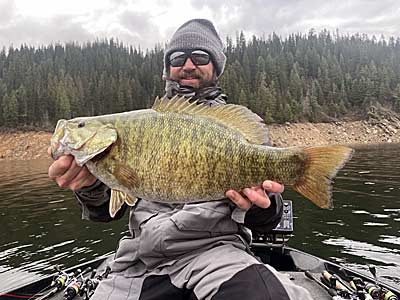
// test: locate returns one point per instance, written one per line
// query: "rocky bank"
(22, 145)
(349, 133)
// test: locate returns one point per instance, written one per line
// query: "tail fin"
(322, 165)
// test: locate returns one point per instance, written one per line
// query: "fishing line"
(20, 296)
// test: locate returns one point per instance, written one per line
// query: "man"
(191, 251)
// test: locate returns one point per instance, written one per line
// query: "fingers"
(82, 179)
(60, 166)
(254, 195)
(257, 196)
(67, 174)
(273, 187)
(238, 199)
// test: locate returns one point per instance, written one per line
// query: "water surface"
(40, 224)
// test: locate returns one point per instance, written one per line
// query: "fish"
(182, 151)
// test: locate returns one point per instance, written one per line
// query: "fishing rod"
(76, 284)
(359, 286)
(330, 291)
(73, 284)
(375, 289)
(90, 285)
(85, 286)
(342, 288)
(356, 288)
(58, 283)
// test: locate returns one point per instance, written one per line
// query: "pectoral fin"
(118, 199)
(126, 176)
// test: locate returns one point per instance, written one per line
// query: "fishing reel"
(84, 286)
(82, 283)
(353, 288)
(374, 290)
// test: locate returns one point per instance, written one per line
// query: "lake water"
(40, 224)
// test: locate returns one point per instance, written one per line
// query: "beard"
(204, 79)
(205, 88)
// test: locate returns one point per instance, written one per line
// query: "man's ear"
(165, 73)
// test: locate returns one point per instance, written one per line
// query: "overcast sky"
(148, 22)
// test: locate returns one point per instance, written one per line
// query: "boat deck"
(299, 278)
(316, 291)
(292, 263)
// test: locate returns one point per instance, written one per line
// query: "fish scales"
(189, 152)
(198, 162)
(191, 160)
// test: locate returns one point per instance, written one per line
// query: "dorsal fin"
(237, 117)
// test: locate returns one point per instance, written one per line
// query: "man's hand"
(255, 195)
(67, 174)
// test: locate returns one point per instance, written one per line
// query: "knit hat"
(197, 34)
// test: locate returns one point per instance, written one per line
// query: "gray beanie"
(197, 34)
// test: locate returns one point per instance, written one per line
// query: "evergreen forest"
(313, 77)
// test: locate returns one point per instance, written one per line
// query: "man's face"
(196, 76)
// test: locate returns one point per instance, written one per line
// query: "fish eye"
(81, 124)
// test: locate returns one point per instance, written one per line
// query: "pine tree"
(310, 77)
(62, 102)
(10, 109)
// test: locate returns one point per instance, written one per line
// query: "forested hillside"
(313, 77)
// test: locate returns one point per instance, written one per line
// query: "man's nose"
(189, 65)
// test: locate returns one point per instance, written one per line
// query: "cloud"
(284, 17)
(35, 32)
(113, 21)
(139, 29)
(7, 11)
(147, 23)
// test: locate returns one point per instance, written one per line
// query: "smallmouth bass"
(182, 152)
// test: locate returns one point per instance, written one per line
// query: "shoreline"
(26, 145)
(337, 133)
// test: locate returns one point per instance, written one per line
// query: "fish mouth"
(55, 144)
(54, 153)
(58, 149)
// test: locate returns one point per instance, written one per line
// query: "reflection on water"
(41, 225)
(364, 226)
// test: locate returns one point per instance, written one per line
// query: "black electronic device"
(285, 226)
(282, 232)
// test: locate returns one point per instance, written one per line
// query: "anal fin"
(118, 199)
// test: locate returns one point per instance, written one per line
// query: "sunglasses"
(198, 57)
